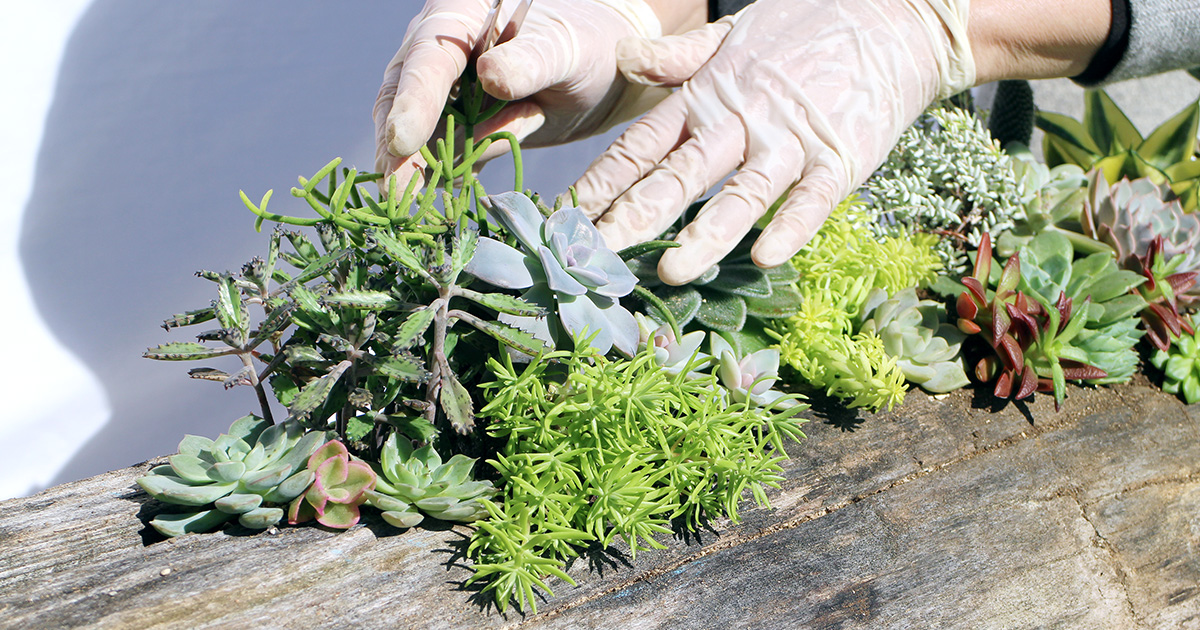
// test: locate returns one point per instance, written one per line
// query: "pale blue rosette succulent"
(749, 378)
(564, 266)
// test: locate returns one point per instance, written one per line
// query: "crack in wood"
(1102, 543)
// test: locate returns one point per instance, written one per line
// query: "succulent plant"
(340, 484)
(1130, 215)
(411, 480)
(1107, 141)
(1051, 200)
(915, 332)
(729, 295)
(750, 377)
(945, 176)
(674, 355)
(1039, 341)
(248, 472)
(1180, 364)
(565, 267)
(1161, 290)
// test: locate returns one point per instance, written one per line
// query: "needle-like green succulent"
(915, 332)
(248, 473)
(412, 482)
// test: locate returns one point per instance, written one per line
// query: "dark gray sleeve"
(718, 9)
(1163, 35)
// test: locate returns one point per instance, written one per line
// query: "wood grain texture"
(941, 514)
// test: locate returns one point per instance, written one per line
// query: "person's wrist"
(679, 16)
(1032, 39)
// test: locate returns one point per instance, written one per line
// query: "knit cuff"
(1113, 48)
(1163, 35)
(718, 9)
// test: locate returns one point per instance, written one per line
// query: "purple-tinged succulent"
(341, 485)
(749, 378)
(674, 355)
(564, 266)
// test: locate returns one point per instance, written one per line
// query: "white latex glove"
(560, 70)
(805, 93)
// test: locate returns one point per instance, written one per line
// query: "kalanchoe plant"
(249, 473)
(1180, 364)
(410, 480)
(915, 332)
(1107, 141)
(563, 266)
(340, 484)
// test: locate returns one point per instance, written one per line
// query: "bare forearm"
(1036, 39)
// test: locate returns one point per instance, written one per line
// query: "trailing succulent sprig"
(946, 176)
(1107, 141)
(249, 473)
(915, 332)
(1180, 364)
(414, 482)
(595, 450)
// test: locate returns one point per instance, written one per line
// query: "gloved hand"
(802, 97)
(560, 69)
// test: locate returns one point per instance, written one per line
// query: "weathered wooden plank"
(940, 514)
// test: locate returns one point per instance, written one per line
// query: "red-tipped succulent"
(339, 489)
(1163, 286)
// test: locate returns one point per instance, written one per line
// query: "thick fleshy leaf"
(456, 402)
(557, 278)
(580, 316)
(171, 525)
(403, 520)
(238, 503)
(785, 301)
(292, 487)
(519, 216)
(498, 264)
(744, 280)
(190, 467)
(184, 351)
(402, 366)
(1109, 127)
(339, 515)
(1173, 141)
(683, 302)
(503, 303)
(722, 311)
(621, 325)
(175, 490)
(620, 279)
(516, 338)
(261, 518)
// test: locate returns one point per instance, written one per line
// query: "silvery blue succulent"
(749, 378)
(564, 266)
(674, 355)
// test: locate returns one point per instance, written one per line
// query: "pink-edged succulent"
(674, 355)
(340, 487)
(749, 378)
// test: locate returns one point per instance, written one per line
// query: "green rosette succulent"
(1181, 365)
(339, 487)
(729, 295)
(916, 333)
(414, 483)
(248, 473)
